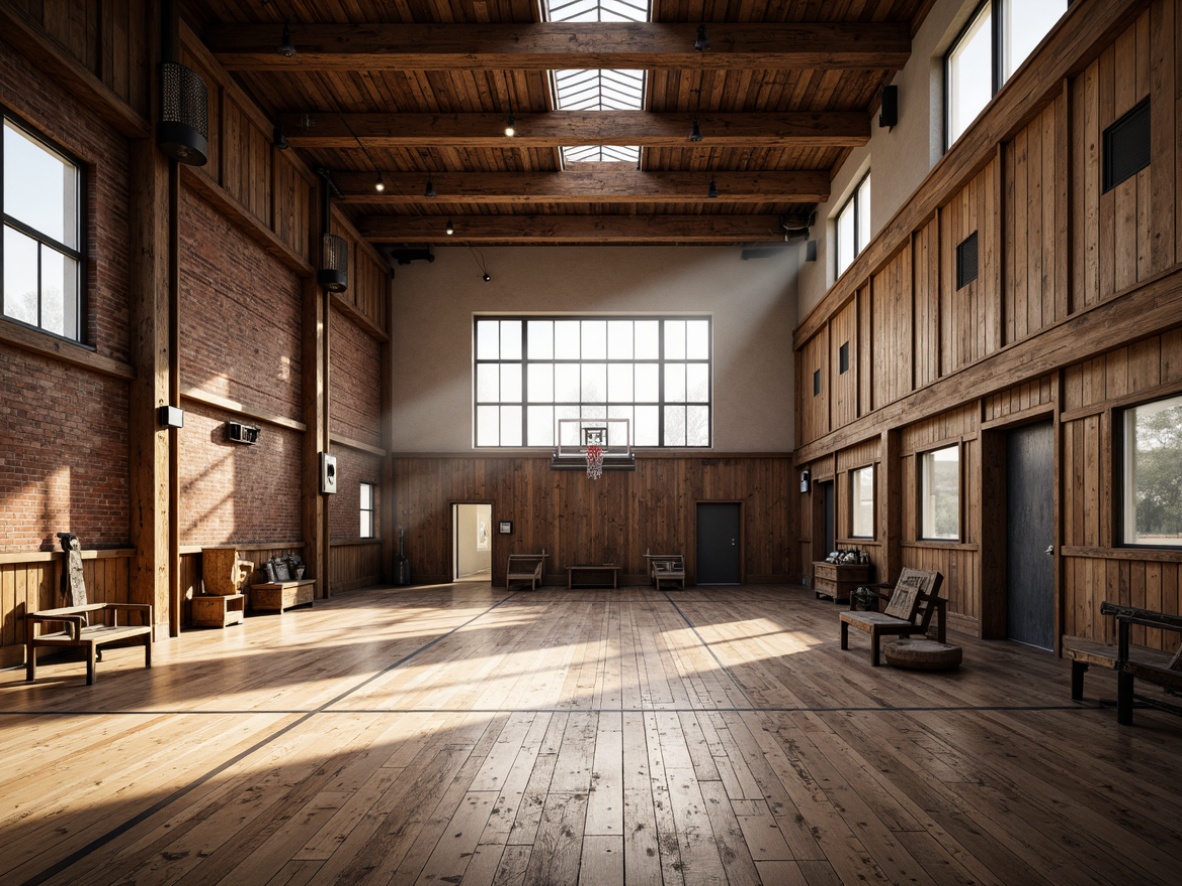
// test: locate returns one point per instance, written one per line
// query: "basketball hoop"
(594, 461)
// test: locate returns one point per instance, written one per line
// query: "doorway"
(1030, 535)
(719, 544)
(828, 535)
(471, 542)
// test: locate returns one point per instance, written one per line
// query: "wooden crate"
(218, 610)
(279, 595)
(838, 580)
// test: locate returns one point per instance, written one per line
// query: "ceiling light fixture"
(695, 133)
(379, 185)
(430, 191)
(279, 139)
(450, 229)
(287, 48)
(702, 43)
(511, 123)
(712, 191)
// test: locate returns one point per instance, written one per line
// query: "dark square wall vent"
(843, 358)
(966, 261)
(1126, 146)
(816, 382)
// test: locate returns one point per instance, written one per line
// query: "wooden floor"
(463, 734)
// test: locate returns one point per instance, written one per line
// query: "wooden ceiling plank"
(557, 45)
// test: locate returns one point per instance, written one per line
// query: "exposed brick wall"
(344, 509)
(240, 315)
(63, 455)
(231, 492)
(60, 116)
(355, 379)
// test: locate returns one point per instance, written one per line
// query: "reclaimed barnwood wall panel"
(578, 520)
(969, 316)
(892, 316)
(926, 245)
(843, 389)
(355, 565)
(813, 401)
(1019, 399)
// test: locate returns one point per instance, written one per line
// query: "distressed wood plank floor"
(459, 734)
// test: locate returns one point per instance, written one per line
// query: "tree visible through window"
(862, 503)
(1153, 473)
(940, 494)
(531, 372)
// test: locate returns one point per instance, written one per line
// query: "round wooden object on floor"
(922, 654)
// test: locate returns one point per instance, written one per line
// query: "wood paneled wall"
(1073, 317)
(356, 565)
(578, 520)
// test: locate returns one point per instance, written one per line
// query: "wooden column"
(388, 525)
(315, 395)
(890, 509)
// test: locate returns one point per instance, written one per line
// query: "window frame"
(78, 255)
(371, 511)
(855, 504)
(924, 510)
(1124, 471)
(855, 202)
(660, 361)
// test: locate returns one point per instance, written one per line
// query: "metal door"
(1030, 535)
(830, 518)
(719, 544)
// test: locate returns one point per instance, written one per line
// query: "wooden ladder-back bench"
(80, 633)
(912, 607)
(668, 569)
(1130, 662)
(525, 567)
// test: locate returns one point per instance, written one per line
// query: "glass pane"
(570, 431)
(941, 494)
(40, 187)
(646, 429)
(674, 426)
(541, 426)
(619, 340)
(566, 382)
(969, 74)
(863, 215)
(697, 383)
(674, 382)
(1153, 493)
(594, 339)
(20, 277)
(366, 496)
(697, 340)
(697, 426)
(648, 383)
(674, 339)
(541, 339)
(488, 339)
(541, 383)
(648, 343)
(619, 382)
(510, 339)
(594, 382)
(488, 382)
(594, 411)
(862, 503)
(510, 425)
(1026, 24)
(367, 524)
(566, 339)
(488, 423)
(845, 237)
(510, 382)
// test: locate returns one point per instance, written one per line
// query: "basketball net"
(594, 461)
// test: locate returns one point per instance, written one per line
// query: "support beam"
(534, 229)
(605, 183)
(544, 46)
(822, 129)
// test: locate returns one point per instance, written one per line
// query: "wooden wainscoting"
(355, 564)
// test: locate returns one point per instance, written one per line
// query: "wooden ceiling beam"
(553, 46)
(574, 229)
(823, 129)
(606, 183)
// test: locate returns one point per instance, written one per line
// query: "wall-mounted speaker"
(888, 114)
(170, 417)
(804, 480)
(236, 432)
(328, 473)
(183, 133)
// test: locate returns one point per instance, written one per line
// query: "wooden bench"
(669, 569)
(1129, 661)
(913, 605)
(525, 567)
(275, 596)
(78, 632)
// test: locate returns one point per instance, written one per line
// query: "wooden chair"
(78, 631)
(525, 567)
(669, 569)
(912, 605)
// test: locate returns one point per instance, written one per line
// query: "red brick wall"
(231, 492)
(344, 509)
(63, 455)
(239, 315)
(355, 379)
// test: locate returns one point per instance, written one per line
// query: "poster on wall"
(481, 534)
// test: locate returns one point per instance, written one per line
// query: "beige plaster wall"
(752, 304)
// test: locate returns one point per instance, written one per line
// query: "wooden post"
(314, 513)
(388, 523)
(890, 510)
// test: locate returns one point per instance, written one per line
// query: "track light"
(287, 48)
(712, 191)
(450, 229)
(702, 43)
(695, 133)
(430, 192)
(487, 278)
(379, 185)
(279, 139)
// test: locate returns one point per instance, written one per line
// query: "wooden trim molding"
(11, 557)
(45, 345)
(357, 444)
(1148, 555)
(218, 402)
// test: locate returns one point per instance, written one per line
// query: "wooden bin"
(276, 596)
(218, 610)
(838, 580)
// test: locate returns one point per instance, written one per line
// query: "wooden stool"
(921, 654)
(218, 610)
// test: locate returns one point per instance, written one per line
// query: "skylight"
(598, 90)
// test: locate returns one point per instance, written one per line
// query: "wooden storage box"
(838, 580)
(217, 611)
(279, 595)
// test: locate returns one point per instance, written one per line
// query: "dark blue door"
(718, 544)
(1030, 535)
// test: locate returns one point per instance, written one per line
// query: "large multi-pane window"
(532, 371)
(852, 230)
(1152, 512)
(862, 503)
(42, 250)
(369, 510)
(939, 489)
(994, 43)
